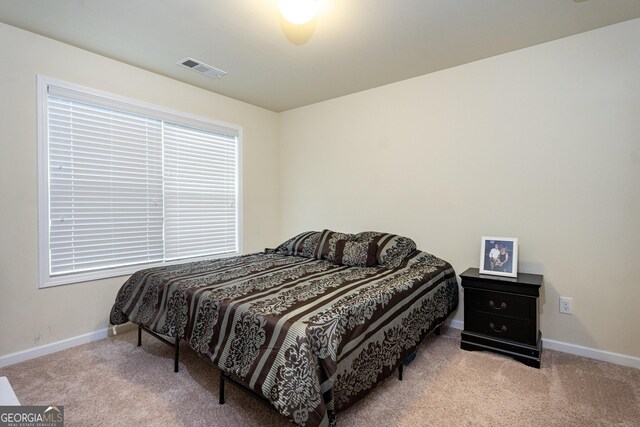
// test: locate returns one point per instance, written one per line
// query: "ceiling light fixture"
(298, 12)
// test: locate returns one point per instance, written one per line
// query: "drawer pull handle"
(502, 329)
(493, 305)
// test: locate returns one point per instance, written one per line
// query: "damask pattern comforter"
(309, 335)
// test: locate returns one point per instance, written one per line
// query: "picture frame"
(499, 256)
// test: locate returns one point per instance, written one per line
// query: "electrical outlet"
(566, 305)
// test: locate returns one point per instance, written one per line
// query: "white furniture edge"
(7, 396)
(578, 350)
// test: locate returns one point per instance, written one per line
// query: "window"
(124, 184)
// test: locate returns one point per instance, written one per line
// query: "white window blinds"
(200, 192)
(127, 185)
(105, 172)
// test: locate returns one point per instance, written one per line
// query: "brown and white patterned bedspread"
(309, 335)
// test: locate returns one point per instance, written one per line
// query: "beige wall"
(542, 144)
(29, 316)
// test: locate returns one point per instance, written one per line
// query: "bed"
(311, 326)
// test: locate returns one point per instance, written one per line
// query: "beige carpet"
(113, 382)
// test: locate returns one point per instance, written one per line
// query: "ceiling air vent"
(202, 68)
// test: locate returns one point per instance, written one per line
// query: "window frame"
(45, 280)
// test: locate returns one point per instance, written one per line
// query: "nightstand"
(501, 315)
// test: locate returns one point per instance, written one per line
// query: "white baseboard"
(455, 324)
(54, 347)
(578, 350)
(592, 353)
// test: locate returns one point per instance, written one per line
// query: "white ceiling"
(352, 45)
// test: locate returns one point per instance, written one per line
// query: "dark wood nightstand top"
(526, 279)
(525, 283)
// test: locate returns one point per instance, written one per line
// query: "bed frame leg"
(221, 392)
(176, 356)
(400, 371)
(175, 344)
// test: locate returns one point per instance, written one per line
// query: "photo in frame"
(499, 256)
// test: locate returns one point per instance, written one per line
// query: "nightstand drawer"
(498, 326)
(500, 303)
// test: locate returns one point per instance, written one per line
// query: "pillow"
(326, 248)
(304, 244)
(392, 249)
(356, 254)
